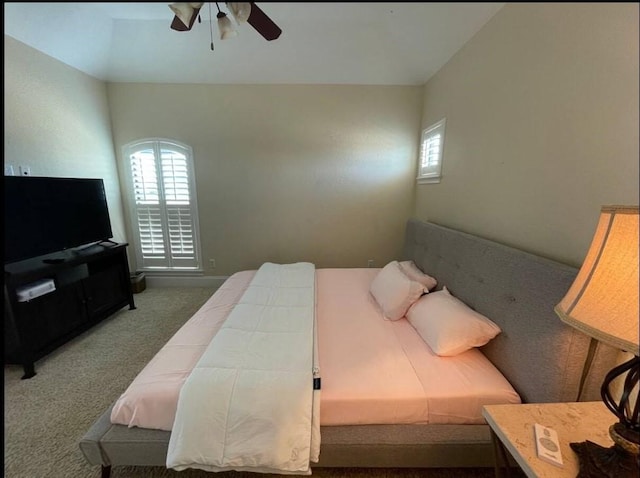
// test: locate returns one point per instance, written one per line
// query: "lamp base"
(599, 462)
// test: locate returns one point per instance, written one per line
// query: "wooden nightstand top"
(574, 422)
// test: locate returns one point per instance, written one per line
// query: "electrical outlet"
(212, 263)
(370, 263)
(25, 171)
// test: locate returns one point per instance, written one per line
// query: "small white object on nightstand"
(547, 445)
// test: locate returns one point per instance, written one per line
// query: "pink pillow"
(415, 274)
(394, 291)
(448, 325)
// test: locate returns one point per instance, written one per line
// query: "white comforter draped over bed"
(249, 403)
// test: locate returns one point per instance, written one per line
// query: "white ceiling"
(321, 43)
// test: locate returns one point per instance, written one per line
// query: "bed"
(538, 358)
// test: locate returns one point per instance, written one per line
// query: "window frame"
(169, 268)
(431, 174)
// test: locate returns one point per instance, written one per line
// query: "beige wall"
(287, 173)
(56, 121)
(542, 129)
(542, 126)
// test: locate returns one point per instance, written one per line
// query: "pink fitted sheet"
(152, 398)
(374, 371)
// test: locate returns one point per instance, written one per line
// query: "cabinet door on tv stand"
(104, 291)
(47, 318)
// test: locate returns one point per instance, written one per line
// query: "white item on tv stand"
(35, 289)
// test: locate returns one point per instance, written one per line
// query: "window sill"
(172, 272)
(428, 180)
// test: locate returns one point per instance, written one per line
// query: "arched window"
(162, 203)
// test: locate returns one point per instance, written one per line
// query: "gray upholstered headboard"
(540, 356)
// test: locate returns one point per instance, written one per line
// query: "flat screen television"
(44, 215)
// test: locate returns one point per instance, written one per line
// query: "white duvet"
(249, 403)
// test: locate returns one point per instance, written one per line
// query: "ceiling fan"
(247, 12)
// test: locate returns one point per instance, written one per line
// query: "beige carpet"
(46, 416)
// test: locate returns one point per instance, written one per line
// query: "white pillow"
(415, 274)
(394, 291)
(448, 325)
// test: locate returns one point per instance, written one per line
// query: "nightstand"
(512, 429)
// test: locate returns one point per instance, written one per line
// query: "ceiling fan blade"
(263, 24)
(177, 25)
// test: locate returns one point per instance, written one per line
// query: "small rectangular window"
(431, 146)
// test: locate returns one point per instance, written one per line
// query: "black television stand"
(90, 285)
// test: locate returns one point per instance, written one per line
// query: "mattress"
(374, 371)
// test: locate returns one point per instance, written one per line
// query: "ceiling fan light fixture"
(186, 12)
(249, 12)
(226, 28)
(240, 11)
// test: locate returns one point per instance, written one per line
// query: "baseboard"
(175, 281)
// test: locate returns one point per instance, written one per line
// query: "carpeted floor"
(46, 416)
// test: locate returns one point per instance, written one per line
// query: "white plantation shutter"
(431, 145)
(163, 208)
(175, 175)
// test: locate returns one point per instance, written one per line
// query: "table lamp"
(602, 302)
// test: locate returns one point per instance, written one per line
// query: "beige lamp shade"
(603, 300)
(186, 12)
(240, 11)
(226, 28)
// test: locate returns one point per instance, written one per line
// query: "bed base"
(541, 357)
(366, 446)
